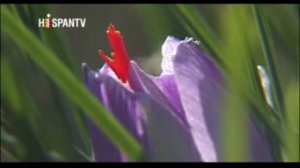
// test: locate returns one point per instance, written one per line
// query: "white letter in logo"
(82, 21)
(41, 22)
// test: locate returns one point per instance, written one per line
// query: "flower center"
(119, 61)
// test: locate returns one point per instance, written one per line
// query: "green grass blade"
(8, 86)
(291, 135)
(71, 86)
(235, 144)
(275, 85)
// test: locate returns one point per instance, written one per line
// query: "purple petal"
(167, 85)
(144, 83)
(168, 138)
(168, 50)
(199, 84)
(164, 136)
(121, 103)
(168, 94)
(166, 81)
(199, 89)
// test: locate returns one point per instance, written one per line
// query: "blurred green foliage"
(70, 85)
(40, 122)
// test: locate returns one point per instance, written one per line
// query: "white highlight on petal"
(169, 50)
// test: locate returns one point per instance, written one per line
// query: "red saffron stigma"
(119, 61)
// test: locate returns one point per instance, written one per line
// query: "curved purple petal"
(168, 51)
(200, 91)
(168, 138)
(164, 136)
(142, 82)
(168, 93)
(168, 86)
(159, 133)
(199, 83)
(121, 103)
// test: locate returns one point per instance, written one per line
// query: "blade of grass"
(57, 41)
(275, 85)
(262, 25)
(31, 113)
(236, 60)
(71, 86)
(291, 135)
(8, 86)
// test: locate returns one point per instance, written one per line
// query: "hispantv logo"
(49, 22)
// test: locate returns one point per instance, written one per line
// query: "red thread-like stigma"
(119, 61)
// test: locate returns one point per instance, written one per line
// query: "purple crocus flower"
(174, 115)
